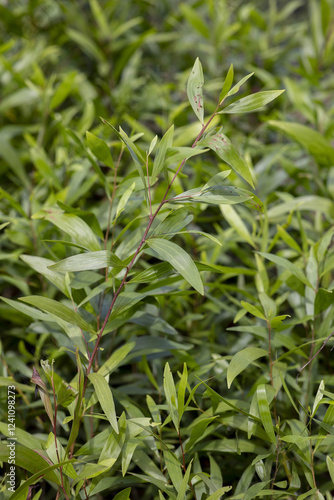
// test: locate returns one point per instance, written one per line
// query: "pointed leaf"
(184, 485)
(287, 265)
(264, 411)
(252, 102)
(179, 259)
(58, 309)
(229, 154)
(237, 86)
(170, 393)
(195, 90)
(105, 398)
(227, 84)
(100, 149)
(88, 261)
(165, 143)
(241, 360)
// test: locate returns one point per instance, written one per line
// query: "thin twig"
(315, 355)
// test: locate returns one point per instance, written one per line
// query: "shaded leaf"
(241, 360)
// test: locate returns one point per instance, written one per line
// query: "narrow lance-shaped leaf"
(241, 360)
(58, 309)
(87, 261)
(264, 411)
(179, 259)
(227, 84)
(170, 393)
(195, 90)
(252, 102)
(229, 153)
(165, 143)
(287, 265)
(133, 150)
(100, 149)
(105, 398)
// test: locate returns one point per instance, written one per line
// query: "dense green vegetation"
(166, 249)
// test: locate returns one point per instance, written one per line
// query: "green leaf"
(88, 261)
(229, 154)
(74, 226)
(195, 90)
(174, 469)
(41, 265)
(94, 470)
(264, 411)
(324, 299)
(252, 102)
(182, 390)
(235, 221)
(116, 359)
(252, 310)
(314, 142)
(197, 431)
(237, 86)
(217, 494)
(105, 398)
(269, 306)
(227, 84)
(184, 485)
(241, 360)
(100, 149)
(330, 467)
(253, 491)
(170, 393)
(133, 150)
(179, 259)
(123, 495)
(165, 143)
(57, 309)
(288, 266)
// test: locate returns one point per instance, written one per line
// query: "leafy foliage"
(176, 324)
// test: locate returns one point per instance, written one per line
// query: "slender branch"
(315, 355)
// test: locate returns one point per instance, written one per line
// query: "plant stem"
(141, 244)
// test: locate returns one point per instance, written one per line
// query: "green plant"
(245, 398)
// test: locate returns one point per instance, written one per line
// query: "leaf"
(184, 485)
(217, 494)
(323, 299)
(124, 199)
(288, 266)
(75, 227)
(170, 393)
(235, 221)
(237, 86)
(105, 398)
(60, 310)
(179, 259)
(227, 84)
(88, 261)
(252, 102)
(330, 467)
(241, 360)
(195, 90)
(229, 154)
(116, 359)
(252, 310)
(123, 495)
(165, 143)
(133, 150)
(94, 470)
(264, 411)
(318, 397)
(41, 265)
(173, 468)
(100, 149)
(182, 390)
(269, 306)
(253, 491)
(197, 431)
(314, 142)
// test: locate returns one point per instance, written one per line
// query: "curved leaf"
(195, 90)
(179, 259)
(241, 360)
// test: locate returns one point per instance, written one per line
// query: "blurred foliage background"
(64, 64)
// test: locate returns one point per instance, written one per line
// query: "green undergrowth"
(166, 232)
